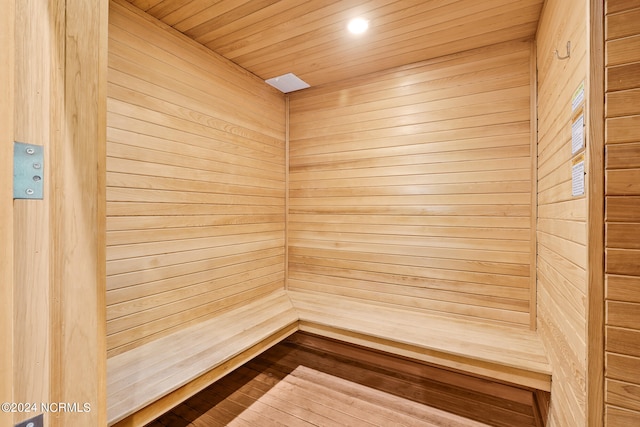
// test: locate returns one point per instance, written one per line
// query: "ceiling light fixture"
(358, 25)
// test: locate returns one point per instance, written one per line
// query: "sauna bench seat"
(500, 352)
(145, 382)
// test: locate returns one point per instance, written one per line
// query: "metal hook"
(568, 55)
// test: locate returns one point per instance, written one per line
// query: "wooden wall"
(413, 186)
(58, 280)
(195, 184)
(561, 227)
(622, 255)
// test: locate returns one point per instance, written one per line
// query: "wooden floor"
(310, 381)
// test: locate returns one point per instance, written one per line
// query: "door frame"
(595, 215)
(6, 205)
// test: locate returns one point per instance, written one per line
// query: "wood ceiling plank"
(326, 24)
(388, 30)
(271, 37)
(213, 11)
(252, 33)
(344, 59)
(187, 10)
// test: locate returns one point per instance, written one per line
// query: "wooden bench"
(147, 381)
(495, 351)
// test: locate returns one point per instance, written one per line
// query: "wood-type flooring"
(312, 381)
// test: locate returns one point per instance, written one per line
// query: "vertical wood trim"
(533, 268)
(78, 215)
(58, 70)
(595, 216)
(6, 206)
(286, 193)
(34, 51)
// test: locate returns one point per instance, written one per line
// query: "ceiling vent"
(287, 83)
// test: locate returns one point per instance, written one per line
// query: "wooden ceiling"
(309, 38)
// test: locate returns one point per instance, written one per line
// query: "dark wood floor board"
(482, 407)
(272, 416)
(255, 418)
(311, 381)
(412, 414)
(328, 405)
(415, 369)
(220, 408)
(339, 414)
(281, 414)
(334, 398)
(199, 419)
(276, 397)
(316, 413)
(214, 417)
(375, 402)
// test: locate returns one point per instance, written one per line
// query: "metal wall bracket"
(28, 171)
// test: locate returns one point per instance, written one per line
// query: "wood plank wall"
(195, 184)
(413, 186)
(562, 234)
(622, 253)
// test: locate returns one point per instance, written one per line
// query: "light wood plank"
(140, 265)
(621, 25)
(623, 156)
(623, 394)
(614, 6)
(193, 184)
(622, 51)
(623, 182)
(623, 288)
(59, 335)
(623, 341)
(618, 417)
(623, 103)
(79, 230)
(322, 314)
(623, 129)
(159, 328)
(562, 254)
(621, 367)
(625, 76)
(595, 218)
(623, 261)
(36, 110)
(622, 314)
(623, 209)
(623, 235)
(255, 36)
(357, 186)
(196, 354)
(120, 287)
(200, 290)
(7, 66)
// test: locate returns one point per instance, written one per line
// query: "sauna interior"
(458, 187)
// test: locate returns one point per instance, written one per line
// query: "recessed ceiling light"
(358, 25)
